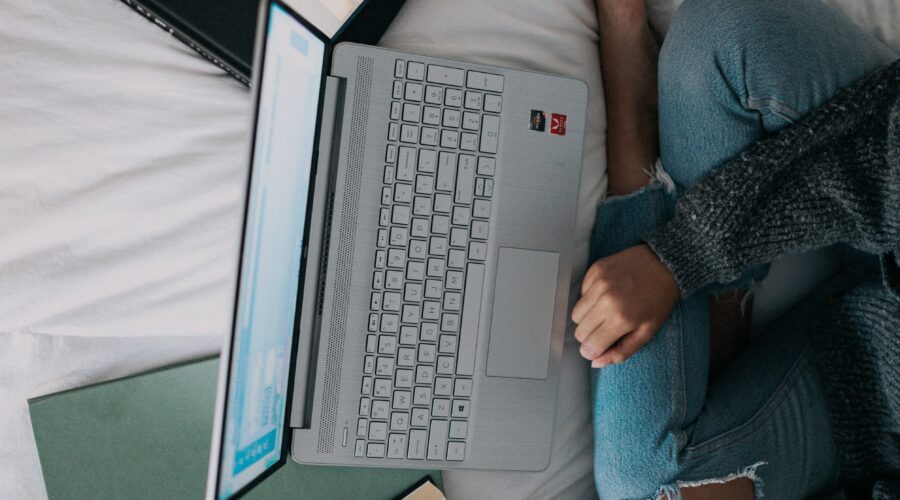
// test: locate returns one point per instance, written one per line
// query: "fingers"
(589, 277)
(603, 337)
(588, 300)
(626, 347)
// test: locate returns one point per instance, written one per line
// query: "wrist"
(621, 16)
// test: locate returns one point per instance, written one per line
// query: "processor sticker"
(538, 121)
(558, 124)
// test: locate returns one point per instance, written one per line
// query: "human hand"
(625, 298)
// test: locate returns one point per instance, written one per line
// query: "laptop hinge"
(309, 325)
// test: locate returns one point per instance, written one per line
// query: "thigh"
(731, 71)
(769, 407)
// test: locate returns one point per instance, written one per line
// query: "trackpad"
(524, 298)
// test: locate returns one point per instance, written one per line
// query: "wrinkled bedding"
(121, 166)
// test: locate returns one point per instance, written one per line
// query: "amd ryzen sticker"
(558, 124)
(538, 121)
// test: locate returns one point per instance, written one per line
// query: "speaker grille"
(344, 255)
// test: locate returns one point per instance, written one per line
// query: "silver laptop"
(405, 265)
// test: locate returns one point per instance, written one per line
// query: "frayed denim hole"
(748, 472)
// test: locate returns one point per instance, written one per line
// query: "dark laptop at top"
(223, 31)
(406, 259)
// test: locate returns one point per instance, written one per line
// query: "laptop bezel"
(228, 348)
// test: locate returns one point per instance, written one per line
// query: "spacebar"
(471, 313)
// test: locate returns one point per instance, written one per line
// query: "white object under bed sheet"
(121, 166)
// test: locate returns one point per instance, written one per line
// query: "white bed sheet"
(121, 167)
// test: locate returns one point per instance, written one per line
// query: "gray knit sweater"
(832, 178)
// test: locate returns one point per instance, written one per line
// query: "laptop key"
(427, 160)
(413, 92)
(481, 209)
(447, 345)
(387, 345)
(378, 431)
(403, 379)
(396, 446)
(399, 421)
(486, 165)
(422, 205)
(453, 97)
(437, 440)
(411, 113)
(417, 445)
(431, 116)
(492, 103)
(474, 100)
(456, 451)
(445, 76)
(468, 142)
(458, 429)
(424, 375)
(440, 407)
(428, 332)
(409, 134)
(397, 92)
(364, 405)
(490, 133)
(407, 335)
(419, 417)
(460, 408)
(422, 396)
(434, 95)
(360, 448)
(484, 81)
(396, 111)
(468, 333)
(412, 292)
(462, 388)
(393, 132)
(465, 179)
(449, 139)
(445, 365)
(361, 426)
(477, 250)
(442, 387)
(458, 238)
(451, 118)
(415, 71)
(375, 450)
(470, 121)
(429, 136)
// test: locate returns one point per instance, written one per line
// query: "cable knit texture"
(832, 178)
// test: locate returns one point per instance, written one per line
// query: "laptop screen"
(327, 15)
(283, 149)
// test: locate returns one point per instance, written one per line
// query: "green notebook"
(148, 436)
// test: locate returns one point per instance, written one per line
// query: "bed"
(122, 159)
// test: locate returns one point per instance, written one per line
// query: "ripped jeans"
(730, 72)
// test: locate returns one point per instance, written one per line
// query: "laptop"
(222, 31)
(405, 265)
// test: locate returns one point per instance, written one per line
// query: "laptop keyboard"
(434, 223)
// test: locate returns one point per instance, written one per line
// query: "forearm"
(833, 178)
(628, 54)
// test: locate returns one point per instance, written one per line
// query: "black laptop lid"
(223, 30)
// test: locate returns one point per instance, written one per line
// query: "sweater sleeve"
(834, 177)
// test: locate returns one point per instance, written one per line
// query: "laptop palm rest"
(524, 299)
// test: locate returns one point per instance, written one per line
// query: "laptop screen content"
(280, 180)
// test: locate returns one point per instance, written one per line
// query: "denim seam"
(679, 393)
(756, 421)
(774, 106)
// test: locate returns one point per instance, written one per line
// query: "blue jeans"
(731, 72)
